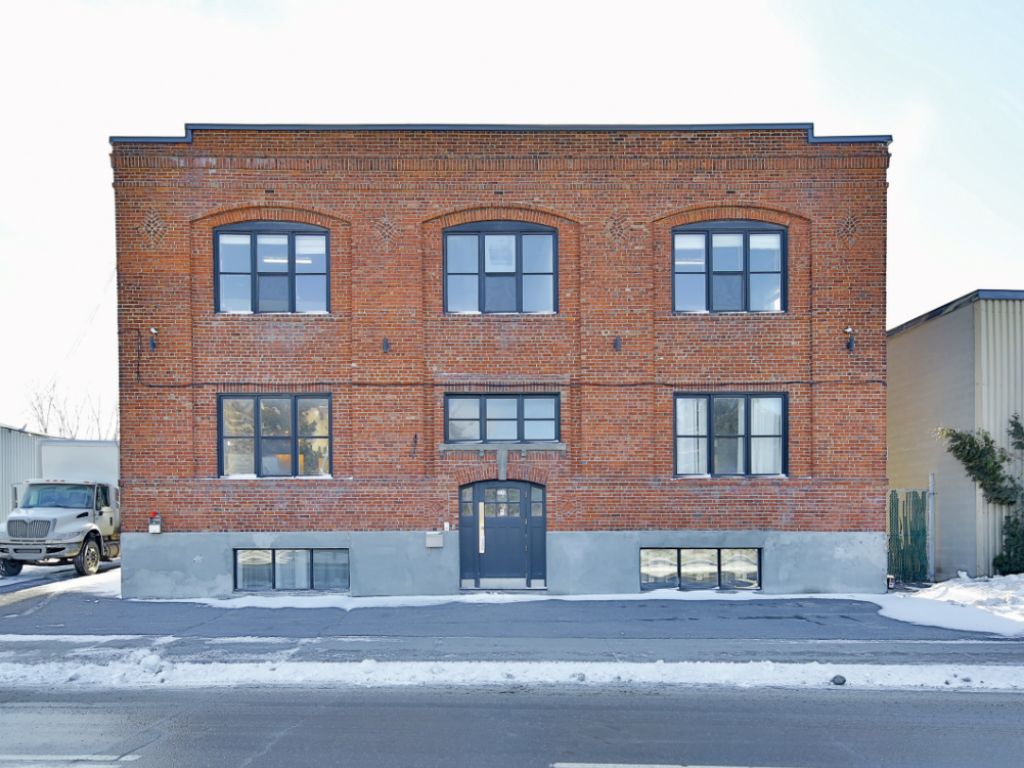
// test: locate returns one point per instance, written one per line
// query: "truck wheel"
(10, 567)
(87, 562)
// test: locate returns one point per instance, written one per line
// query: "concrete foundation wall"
(174, 565)
(609, 562)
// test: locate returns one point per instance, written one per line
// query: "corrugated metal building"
(19, 460)
(962, 366)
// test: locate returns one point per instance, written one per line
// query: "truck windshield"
(58, 495)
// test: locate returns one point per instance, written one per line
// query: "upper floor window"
(501, 418)
(729, 266)
(275, 435)
(730, 434)
(500, 266)
(271, 266)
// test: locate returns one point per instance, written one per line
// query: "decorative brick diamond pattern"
(847, 229)
(617, 230)
(153, 228)
(386, 229)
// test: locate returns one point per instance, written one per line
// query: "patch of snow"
(32, 573)
(999, 595)
(66, 638)
(46, 580)
(144, 668)
(103, 584)
(915, 608)
(993, 605)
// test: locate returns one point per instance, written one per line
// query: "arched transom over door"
(502, 525)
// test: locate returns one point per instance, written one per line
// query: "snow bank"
(1000, 595)
(146, 668)
(38, 573)
(103, 584)
(932, 611)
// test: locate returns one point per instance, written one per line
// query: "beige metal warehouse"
(960, 365)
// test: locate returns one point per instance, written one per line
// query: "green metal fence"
(908, 535)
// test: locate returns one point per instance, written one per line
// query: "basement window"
(271, 266)
(700, 568)
(264, 570)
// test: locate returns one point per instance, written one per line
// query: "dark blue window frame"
(294, 436)
(678, 583)
(732, 227)
(520, 417)
(709, 438)
(273, 569)
(518, 229)
(254, 229)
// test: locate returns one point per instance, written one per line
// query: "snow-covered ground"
(1001, 595)
(37, 573)
(47, 580)
(147, 668)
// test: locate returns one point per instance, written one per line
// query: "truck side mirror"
(14, 497)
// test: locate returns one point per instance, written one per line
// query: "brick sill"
(553, 446)
(276, 477)
(272, 314)
(515, 315)
(706, 313)
(730, 477)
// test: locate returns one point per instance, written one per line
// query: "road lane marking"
(648, 765)
(9, 638)
(90, 760)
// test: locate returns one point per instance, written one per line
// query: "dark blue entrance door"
(501, 535)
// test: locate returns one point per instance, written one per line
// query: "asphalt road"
(794, 630)
(509, 727)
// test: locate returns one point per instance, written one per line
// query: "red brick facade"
(614, 197)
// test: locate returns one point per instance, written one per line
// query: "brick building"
(418, 359)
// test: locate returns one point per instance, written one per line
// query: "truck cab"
(61, 521)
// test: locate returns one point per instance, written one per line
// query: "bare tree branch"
(54, 413)
(41, 404)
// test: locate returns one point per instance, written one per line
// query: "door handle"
(480, 528)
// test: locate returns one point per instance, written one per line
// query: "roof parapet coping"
(191, 128)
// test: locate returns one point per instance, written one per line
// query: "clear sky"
(945, 78)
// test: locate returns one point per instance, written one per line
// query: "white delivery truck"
(71, 515)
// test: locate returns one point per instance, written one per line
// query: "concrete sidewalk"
(40, 626)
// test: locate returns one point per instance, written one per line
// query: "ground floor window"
(275, 435)
(259, 570)
(692, 568)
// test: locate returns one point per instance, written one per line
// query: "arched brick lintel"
(720, 211)
(500, 213)
(527, 473)
(269, 212)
